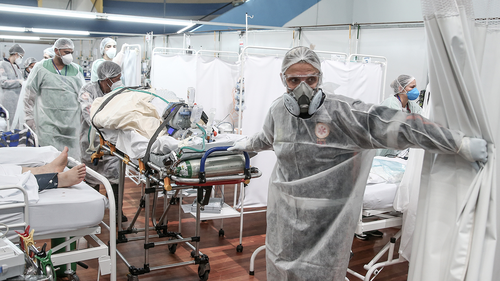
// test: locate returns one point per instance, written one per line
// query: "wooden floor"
(225, 262)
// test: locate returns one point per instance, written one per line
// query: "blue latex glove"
(474, 149)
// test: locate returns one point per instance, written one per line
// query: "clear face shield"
(301, 97)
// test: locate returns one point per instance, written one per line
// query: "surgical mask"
(303, 100)
(18, 61)
(67, 59)
(111, 53)
(413, 94)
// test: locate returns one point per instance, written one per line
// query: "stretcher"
(198, 160)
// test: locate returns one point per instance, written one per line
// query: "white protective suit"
(11, 78)
(51, 103)
(108, 166)
(316, 188)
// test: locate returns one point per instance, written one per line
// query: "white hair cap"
(64, 43)
(105, 42)
(108, 69)
(16, 49)
(402, 81)
(49, 51)
(300, 54)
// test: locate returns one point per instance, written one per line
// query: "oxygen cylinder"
(214, 166)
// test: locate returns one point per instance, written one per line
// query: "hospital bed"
(176, 155)
(377, 211)
(72, 213)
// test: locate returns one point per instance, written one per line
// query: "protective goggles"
(293, 81)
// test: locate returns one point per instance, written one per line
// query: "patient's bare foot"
(72, 177)
(58, 164)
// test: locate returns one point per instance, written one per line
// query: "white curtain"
(262, 86)
(175, 73)
(356, 80)
(131, 66)
(215, 80)
(456, 230)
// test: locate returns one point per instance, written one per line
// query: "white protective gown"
(109, 165)
(10, 86)
(316, 188)
(51, 103)
(395, 103)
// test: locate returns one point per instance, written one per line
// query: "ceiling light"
(19, 37)
(186, 28)
(46, 12)
(11, 28)
(60, 31)
(148, 20)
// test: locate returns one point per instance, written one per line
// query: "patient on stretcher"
(51, 175)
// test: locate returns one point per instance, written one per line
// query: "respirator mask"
(115, 85)
(66, 59)
(303, 100)
(19, 61)
(111, 53)
(413, 94)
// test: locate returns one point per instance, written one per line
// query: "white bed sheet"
(379, 196)
(60, 210)
(383, 182)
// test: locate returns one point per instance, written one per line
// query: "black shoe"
(363, 236)
(375, 233)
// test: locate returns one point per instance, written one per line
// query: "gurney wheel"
(73, 277)
(203, 272)
(239, 248)
(221, 232)
(204, 277)
(172, 247)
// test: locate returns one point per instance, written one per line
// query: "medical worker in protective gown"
(324, 146)
(51, 99)
(11, 79)
(405, 95)
(108, 52)
(29, 63)
(109, 74)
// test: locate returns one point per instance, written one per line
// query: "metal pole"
(146, 221)
(121, 187)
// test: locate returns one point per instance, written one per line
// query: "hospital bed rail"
(374, 266)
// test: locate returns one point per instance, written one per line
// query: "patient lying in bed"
(51, 175)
